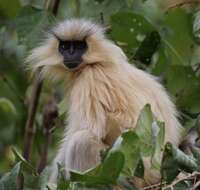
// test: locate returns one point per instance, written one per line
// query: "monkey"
(104, 94)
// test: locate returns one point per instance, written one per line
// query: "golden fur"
(105, 95)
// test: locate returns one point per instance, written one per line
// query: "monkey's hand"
(83, 151)
(80, 152)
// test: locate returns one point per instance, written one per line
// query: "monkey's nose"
(71, 49)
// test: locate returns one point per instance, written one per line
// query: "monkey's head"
(72, 45)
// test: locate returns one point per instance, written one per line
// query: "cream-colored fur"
(105, 95)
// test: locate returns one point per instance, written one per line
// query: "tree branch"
(37, 86)
(50, 113)
(29, 129)
(175, 4)
(55, 7)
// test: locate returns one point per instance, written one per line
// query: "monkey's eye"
(65, 45)
(80, 44)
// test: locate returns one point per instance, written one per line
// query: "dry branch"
(29, 130)
(49, 115)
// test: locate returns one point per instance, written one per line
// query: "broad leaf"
(177, 37)
(9, 180)
(158, 131)
(185, 87)
(26, 165)
(174, 160)
(9, 8)
(105, 174)
(135, 26)
(129, 144)
(144, 131)
(31, 24)
(7, 112)
(8, 117)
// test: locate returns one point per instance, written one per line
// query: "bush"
(160, 37)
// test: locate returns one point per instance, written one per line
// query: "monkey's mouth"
(72, 65)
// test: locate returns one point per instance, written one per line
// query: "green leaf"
(8, 117)
(125, 184)
(144, 131)
(158, 131)
(7, 112)
(105, 174)
(148, 47)
(31, 24)
(62, 183)
(151, 134)
(185, 87)
(196, 26)
(160, 64)
(90, 9)
(197, 125)
(129, 144)
(183, 185)
(9, 8)
(26, 165)
(139, 171)
(135, 26)
(44, 179)
(32, 182)
(175, 160)
(112, 166)
(9, 180)
(177, 37)
(196, 153)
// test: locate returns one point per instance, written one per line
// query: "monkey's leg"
(83, 151)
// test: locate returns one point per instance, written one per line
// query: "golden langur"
(105, 93)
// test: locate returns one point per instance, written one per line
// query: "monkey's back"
(137, 89)
(126, 90)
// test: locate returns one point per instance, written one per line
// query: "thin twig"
(195, 186)
(37, 86)
(154, 186)
(55, 7)
(78, 8)
(170, 186)
(11, 87)
(188, 177)
(49, 115)
(47, 4)
(102, 18)
(181, 3)
(29, 130)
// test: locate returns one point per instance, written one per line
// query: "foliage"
(160, 40)
(120, 162)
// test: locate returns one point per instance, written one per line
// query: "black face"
(72, 52)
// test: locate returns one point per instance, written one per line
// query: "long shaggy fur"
(105, 95)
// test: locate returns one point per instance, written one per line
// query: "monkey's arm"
(79, 151)
(85, 133)
(82, 141)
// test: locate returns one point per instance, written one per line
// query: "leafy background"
(160, 37)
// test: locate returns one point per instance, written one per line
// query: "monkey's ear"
(44, 55)
(35, 58)
(47, 60)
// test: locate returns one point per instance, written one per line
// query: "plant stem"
(49, 115)
(29, 129)
(55, 7)
(78, 8)
(37, 86)
(180, 3)
(11, 87)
